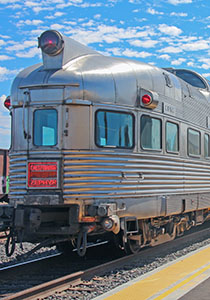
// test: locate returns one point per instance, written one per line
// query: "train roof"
(86, 74)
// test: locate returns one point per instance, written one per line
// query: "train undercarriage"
(46, 226)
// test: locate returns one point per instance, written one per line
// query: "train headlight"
(51, 42)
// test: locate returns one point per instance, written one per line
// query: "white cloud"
(2, 43)
(88, 24)
(8, 1)
(22, 46)
(169, 30)
(30, 22)
(115, 51)
(206, 63)
(37, 32)
(97, 17)
(131, 53)
(37, 9)
(59, 14)
(107, 33)
(128, 52)
(178, 14)
(29, 53)
(206, 74)
(57, 27)
(6, 74)
(85, 5)
(176, 2)
(152, 11)
(170, 49)
(135, 1)
(30, 3)
(196, 45)
(178, 61)
(191, 64)
(143, 44)
(14, 6)
(165, 57)
(5, 57)
(4, 36)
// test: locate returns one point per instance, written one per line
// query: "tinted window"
(151, 133)
(114, 129)
(172, 137)
(193, 141)
(206, 145)
(191, 78)
(45, 127)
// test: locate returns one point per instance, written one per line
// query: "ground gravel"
(17, 256)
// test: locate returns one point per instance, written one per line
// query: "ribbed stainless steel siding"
(91, 174)
(116, 175)
(17, 175)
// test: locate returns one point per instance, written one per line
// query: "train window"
(114, 129)
(193, 142)
(172, 137)
(191, 78)
(206, 145)
(45, 127)
(151, 133)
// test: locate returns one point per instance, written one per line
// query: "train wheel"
(132, 247)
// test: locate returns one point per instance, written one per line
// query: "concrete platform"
(187, 278)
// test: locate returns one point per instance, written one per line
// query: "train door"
(44, 130)
(39, 119)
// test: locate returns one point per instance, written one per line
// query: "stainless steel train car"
(105, 148)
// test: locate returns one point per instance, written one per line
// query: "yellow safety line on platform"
(182, 271)
(162, 296)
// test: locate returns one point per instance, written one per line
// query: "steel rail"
(28, 262)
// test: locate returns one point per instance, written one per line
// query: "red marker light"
(146, 99)
(7, 102)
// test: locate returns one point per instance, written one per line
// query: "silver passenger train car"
(105, 148)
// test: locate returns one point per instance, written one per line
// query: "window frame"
(178, 137)
(33, 140)
(189, 154)
(117, 112)
(208, 135)
(161, 134)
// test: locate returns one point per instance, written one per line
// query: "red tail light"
(43, 174)
(146, 99)
(7, 102)
(149, 99)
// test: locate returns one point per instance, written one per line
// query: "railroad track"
(29, 262)
(92, 280)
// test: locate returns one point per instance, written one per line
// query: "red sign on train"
(42, 174)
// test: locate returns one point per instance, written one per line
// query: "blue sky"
(165, 33)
